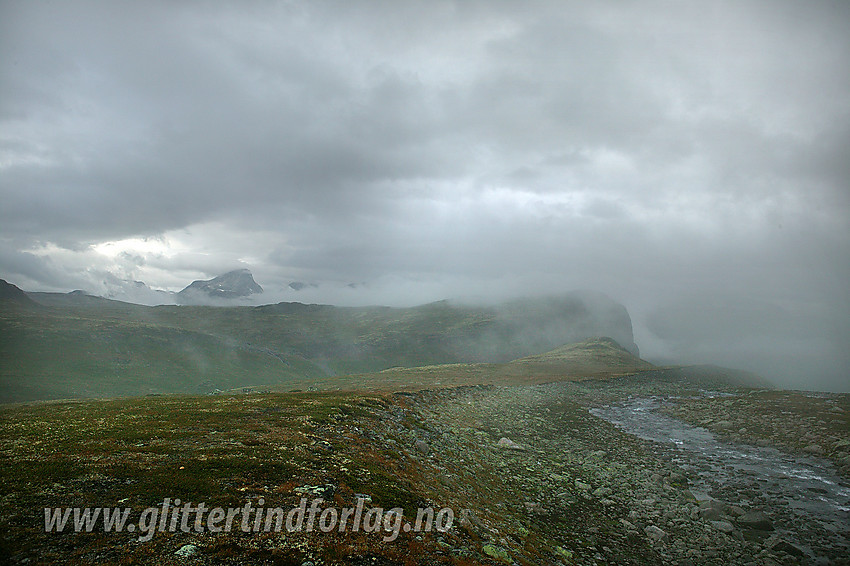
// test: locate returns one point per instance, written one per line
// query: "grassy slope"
(593, 358)
(48, 353)
(598, 357)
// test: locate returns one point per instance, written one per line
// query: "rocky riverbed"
(650, 499)
(758, 493)
(800, 422)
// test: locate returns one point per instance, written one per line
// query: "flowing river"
(804, 498)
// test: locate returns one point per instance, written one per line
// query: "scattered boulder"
(713, 510)
(755, 520)
(779, 545)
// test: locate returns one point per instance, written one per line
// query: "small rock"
(814, 449)
(602, 492)
(187, 550)
(422, 447)
(656, 534)
(678, 479)
(724, 526)
(509, 444)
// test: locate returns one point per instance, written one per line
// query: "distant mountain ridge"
(64, 345)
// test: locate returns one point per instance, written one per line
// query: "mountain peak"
(231, 285)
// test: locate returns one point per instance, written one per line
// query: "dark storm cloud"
(670, 154)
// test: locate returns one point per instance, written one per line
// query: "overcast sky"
(689, 159)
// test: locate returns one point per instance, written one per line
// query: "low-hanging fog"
(688, 159)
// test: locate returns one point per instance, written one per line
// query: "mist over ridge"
(59, 345)
(782, 344)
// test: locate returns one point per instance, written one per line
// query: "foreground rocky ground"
(531, 476)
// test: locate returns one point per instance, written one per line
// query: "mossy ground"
(537, 505)
(225, 450)
(220, 450)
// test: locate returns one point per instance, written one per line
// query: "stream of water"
(808, 503)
